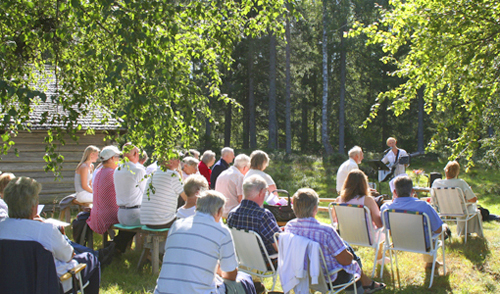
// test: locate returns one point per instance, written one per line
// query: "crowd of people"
(192, 196)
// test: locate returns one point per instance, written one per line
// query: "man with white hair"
(199, 253)
(355, 158)
(129, 185)
(226, 157)
(230, 182)
(250, 214)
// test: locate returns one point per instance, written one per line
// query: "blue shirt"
(250, 216)
(413, 204)
(220, 166)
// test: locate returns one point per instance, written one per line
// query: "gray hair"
(195, 183)
(355, 151)
(190, 161)
(252, 186)
(305, 200)
(225, 151)
(21, 194)
(208, 156)
(210, 202)
(403, 186)
(241, 161)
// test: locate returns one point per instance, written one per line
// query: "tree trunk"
(288, 110)
(251, 98)
(324, 109)
(272, 93)
(343, 53)
(420, 134)
(227, 125)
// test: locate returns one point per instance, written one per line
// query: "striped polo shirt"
(194, 247)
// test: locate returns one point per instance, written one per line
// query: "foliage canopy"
(451, 48)
(133, 60)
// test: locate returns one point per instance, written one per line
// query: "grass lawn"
(471, 268)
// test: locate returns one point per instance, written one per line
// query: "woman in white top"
(83, 174)
(259, 160)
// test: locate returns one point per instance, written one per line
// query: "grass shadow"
(476, 249)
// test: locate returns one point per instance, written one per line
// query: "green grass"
(471, 268)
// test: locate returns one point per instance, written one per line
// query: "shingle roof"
(91, 121)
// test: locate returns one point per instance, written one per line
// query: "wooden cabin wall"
(30, 163)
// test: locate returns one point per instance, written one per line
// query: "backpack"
(81, 231)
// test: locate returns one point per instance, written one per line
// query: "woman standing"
(207, 160)
(83, 175)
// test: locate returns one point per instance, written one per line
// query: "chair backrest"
(27, 267)
(353, 223)
(407, 229)
(247, 245)
(450, 201)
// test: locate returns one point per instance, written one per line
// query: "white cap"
(108, 152)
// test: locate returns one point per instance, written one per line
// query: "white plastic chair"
(451, 205)
(323, 286)
(408, 233)
(355, 226)
(250, 256)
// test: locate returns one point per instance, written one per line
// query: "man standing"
(230, 182)
(200, 253)
(250, 215)
(403, 200)
(226, 157)
(355, 158)
(129, 186)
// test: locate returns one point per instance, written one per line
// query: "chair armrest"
(78, 268)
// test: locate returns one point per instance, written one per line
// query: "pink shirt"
(104, 212)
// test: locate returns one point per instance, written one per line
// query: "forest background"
(308, 77)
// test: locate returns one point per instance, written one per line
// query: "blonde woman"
(83, 174)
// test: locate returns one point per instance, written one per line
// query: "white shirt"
(343, 171)
(158, 208)
(230, 184)
(266, 177)
(46, 234)
(194, 247)
(129, 184)
(4, 210)
(390, 158)
(185, 212)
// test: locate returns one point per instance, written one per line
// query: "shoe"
(259, 288)
(373, 287)
(429, 265)
(106, 255)
(386, 261)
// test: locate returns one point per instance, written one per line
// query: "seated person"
(230, 182)
(259, 160)
(193, 186)
(403, 200)
(129, 186)
(199, 253)
(104, 213)
(5, 178)
(452, 170)
(337, 253)
(356, 191)
(159, 201)
(21, 195)
(250, 215)
(189, 167)
(206, 161)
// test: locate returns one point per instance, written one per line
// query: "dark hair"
(356, 184)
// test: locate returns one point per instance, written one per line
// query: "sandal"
(373, 287)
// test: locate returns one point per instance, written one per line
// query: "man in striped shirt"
(200, 253)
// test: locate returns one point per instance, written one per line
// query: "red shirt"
(104, 211)
(205, 171)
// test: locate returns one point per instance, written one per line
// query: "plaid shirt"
(250, 216)
(330, 242)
